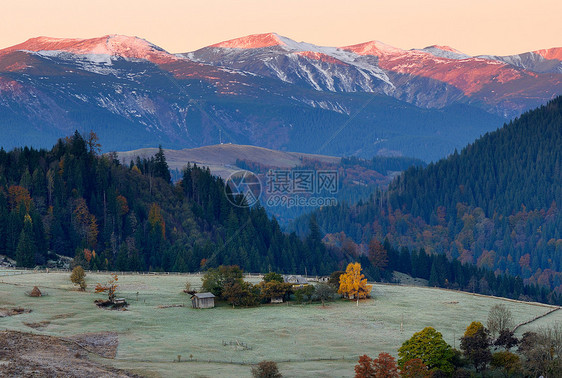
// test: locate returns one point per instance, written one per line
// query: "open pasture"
(305, 340)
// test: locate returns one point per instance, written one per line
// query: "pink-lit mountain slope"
(432, 77)
(109, 45)
(264, 90)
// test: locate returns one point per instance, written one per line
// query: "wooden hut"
(298, 282)
(203, 300)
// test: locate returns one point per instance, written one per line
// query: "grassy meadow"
(305, 340)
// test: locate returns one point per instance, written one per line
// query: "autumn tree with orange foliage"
(475, 345)
(85, 222)
(378, 256)
(364, 367)
(110, 287)
(385, 366)
(123, 205)
(92, 141)
(415, 368)
(18, 195)
(353, 284)
(78, 277)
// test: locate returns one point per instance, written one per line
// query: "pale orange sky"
(475, 27)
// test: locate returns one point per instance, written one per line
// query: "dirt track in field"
(30, 355)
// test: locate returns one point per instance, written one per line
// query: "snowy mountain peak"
(444, 48)
(254, 41)
(444, 52)
(112, 45)
(376, 48)
(257, 41)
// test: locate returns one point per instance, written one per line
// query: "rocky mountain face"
(433, 77)
(266, 90)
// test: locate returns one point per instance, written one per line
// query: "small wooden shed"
(203, 300)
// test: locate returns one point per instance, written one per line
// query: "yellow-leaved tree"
(353, 284)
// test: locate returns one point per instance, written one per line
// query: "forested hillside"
(72, 202)
(495, 204)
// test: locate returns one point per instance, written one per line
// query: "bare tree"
(542, 351)
(499, 318)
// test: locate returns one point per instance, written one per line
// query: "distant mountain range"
(432, 77)
(266, 90)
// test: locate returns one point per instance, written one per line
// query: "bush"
(507, 362)
(266, 369)
(324, 292)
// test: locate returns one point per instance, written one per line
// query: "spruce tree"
(161, 168)
(25, 251)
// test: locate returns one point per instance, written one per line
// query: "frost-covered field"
(299, 337)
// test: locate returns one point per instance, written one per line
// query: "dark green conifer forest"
(73, 202)
(494, 205)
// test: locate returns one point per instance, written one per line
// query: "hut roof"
(295, 279)
(203, 295)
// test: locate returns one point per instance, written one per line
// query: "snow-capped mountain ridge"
(541, 61)
(431, 77)
(110, 45)
(268, 90)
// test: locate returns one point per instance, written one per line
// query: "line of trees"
(226, 283)
(382, 260)
(482, 352)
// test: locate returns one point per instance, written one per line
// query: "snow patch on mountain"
(95, 49)
(254, 41)
(531, 61)
(376, 48)
(321, 57)
(444, 52)
(326, 105)
(320, 67)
